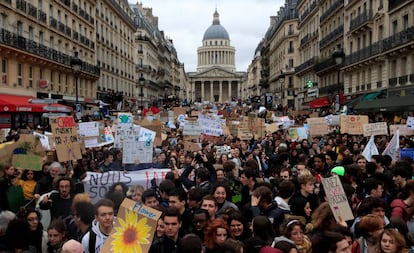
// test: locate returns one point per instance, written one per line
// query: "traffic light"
(309, 84)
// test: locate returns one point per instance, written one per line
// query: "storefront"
(25, 111)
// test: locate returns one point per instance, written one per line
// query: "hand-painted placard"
(137, 152)
(317, 126)
(66, 138)
(28, 162)
(353, 124)
(337, 199)
(378, 128)
(134, 228)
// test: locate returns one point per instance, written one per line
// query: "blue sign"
(406, 152)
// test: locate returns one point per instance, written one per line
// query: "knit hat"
(338, 170)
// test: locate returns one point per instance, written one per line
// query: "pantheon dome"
(216, 31)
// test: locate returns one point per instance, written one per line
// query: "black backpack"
(92, 240)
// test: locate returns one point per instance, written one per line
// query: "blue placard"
(407, 152)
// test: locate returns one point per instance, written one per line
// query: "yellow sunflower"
(130, 235)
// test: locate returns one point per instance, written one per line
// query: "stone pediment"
(216, 72)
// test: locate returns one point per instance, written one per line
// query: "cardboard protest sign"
(210, 125)
(379, 128)
(244, 133)
(410, 122)
(192, 128)
(125, 132)
(271, 128)
(404, 130)
(337, 198)
(137, 151)
(353, 124)
(317, 126)
(98, 184)
(191, 146)
(179, 110)
(133, 230)
(89, 129)
(30, 162)
(124, 118)
(66, 138)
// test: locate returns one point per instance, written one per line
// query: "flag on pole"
(393, 146)
(370, 149)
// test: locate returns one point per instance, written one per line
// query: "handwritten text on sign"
(317, 126)
(97, 184)
(337, 198)
(353, 124)
(379, 128)
(66, 138)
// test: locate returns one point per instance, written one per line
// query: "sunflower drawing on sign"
(131, 234)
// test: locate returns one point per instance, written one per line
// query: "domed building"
(216, 79)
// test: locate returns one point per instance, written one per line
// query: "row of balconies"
(308, 37)
(82, 13)
(395, 40)
(331, 36)
(307, 11)
(11, 39)
(122, 12)
(331, 10)
(305, 65)
(365, 16)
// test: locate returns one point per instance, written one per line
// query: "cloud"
(185, 21)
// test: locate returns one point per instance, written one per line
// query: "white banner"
(97, 184)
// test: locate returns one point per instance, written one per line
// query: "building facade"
(37, 42)
(216, 79)
(115, 40)
(161, 76)
(375, 36)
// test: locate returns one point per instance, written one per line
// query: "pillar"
(221, 92)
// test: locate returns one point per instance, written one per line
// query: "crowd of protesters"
(257, 196)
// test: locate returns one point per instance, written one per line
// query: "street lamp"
(339, 57)
(282, 82)
(141, 81)
(76, 65)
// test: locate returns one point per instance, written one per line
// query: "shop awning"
(320, 102)
(391, 104)
(324, 102)
(13, 103)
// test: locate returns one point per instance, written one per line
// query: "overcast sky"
(185, 21)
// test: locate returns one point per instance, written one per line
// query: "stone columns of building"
(221, 92)
(229, 94)
(202, 91)
(211, 91)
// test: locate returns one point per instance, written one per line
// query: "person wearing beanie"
(338, 170)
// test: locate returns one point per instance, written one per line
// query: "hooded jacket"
(100, 238)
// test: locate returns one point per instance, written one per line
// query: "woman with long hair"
(217, 233)
(391, 241)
